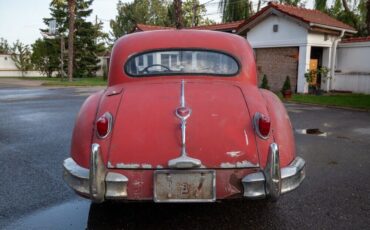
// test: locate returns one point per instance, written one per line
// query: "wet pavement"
(35, 134)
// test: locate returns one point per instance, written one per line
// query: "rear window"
(170, 62)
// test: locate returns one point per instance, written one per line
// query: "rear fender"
(255, 103)
(109, 102)
(281, 127)
(84, 129)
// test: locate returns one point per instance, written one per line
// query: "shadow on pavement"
(226, 215)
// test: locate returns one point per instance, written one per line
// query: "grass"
(359, 101)
(93, 81)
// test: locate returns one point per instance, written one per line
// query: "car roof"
(162, 39)
(139, 42)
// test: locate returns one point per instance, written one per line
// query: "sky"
(22, 19)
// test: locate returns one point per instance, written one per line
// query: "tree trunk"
(259, 5)
(345, 5)
(178, 14)
(71, 28)
(368, 17)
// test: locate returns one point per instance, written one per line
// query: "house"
(290, 40)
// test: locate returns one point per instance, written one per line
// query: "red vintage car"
(182, 120)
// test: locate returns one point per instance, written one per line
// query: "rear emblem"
(183, 112)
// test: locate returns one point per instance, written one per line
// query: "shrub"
(286, 85)
(265, 83)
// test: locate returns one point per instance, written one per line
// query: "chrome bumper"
(103, 185)
(98, 184)
(273, 181)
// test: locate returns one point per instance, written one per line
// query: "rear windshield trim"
(178, 73)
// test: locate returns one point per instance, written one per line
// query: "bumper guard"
(273, 181)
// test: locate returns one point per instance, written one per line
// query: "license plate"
(184, 186)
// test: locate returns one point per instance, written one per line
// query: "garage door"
(276, 64)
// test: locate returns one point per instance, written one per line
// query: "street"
(36, 127)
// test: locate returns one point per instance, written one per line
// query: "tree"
(71, 6)
(320, 5)
(178, 14)
(87, 42)
(234, 10)
(45, 57)
(88, 36)
(290, 2)
(139, 11)
(21, 55)
(265, 83)
(193, 14)
(350, 12)
(4, 46)
(368, 17)
(71, 30)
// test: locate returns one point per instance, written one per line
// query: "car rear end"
(191, 128)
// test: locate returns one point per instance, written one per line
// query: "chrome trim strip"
(293, 175)
(97, 175)
(256, 117)
(182, 101)
(116, 186)
(76, 176)
(254, 186)
(110, 125)
(184, 161)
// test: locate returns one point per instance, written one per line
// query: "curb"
(327, 106)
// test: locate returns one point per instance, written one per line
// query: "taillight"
(262, 125)
(104, 125)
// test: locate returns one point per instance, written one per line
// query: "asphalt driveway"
(35, 131)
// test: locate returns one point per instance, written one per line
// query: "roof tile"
(222, 26)
(303, 14)
(358, 39)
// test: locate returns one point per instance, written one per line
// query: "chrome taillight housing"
(262, 125)
(104, 125)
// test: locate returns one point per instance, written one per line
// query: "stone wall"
(277, 63)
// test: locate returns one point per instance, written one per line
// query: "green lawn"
(360, 101)
(94, 81)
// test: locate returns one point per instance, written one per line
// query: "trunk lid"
(147, 132)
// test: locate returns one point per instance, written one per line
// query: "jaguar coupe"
(182, 120)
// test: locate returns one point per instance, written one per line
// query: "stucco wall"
(353, 67)
(9, 69)
(356, 83)
(353, 57)
(289, 33)
(6, 63)
(320, 39)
